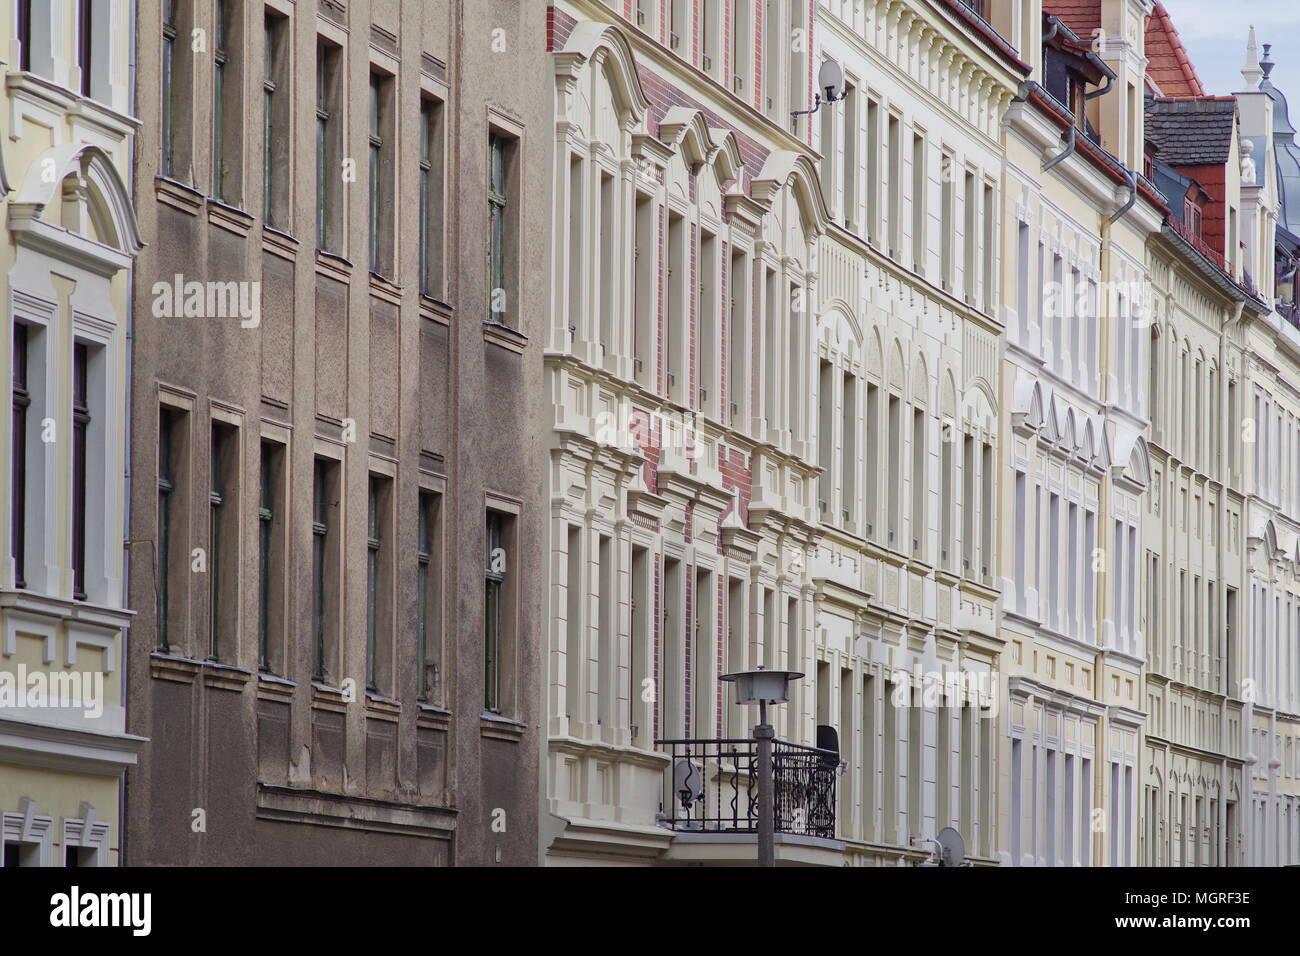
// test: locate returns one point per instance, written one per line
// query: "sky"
(1215, 33)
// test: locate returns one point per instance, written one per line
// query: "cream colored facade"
(908, 341)
(1076, 466)
(1268, 646)
(681, 469)
(66, 257)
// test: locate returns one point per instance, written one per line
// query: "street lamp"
(764, 687)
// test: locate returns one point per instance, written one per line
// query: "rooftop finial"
(1266, 64)
(1251, 72)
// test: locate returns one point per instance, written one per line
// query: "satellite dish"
(952, 848)
(688, 783)
(830, 81)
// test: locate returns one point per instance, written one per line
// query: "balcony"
(710, 800)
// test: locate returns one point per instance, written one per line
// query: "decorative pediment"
(787, 167)
(686, 131)
(602, 44)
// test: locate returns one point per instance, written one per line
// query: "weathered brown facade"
(313, 482)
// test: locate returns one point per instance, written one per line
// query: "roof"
(1081, 16)
(1169, 68)
(1191, 131)
(1285, 151)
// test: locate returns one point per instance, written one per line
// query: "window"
(494, 618)
(894, 148)
(24, 18)
(429, 586)
(379, 651)
(677, 26)
(646, 256)
(920, 456)
(223, 540)
(22, 400)
(227, 117)
(270, 530)
(80, 431)
(84, 43)
(431, 197)
(275, 121)
(850, 157)
(710, 32)
(739, 332)
(577, 248)
(988, 251)
(918, 204)
(176, 87)
(381, 175)
(895, 425)
(502, 225)
(707, 357)
(742, 39)
(969, 238)
(606, 254)
(171, 560)
(677, 321)
(849, 448)
(325, 571)
(873, 170)
(825, 436)
(946, 223)
(329, 144)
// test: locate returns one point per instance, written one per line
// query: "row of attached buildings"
(418, 407)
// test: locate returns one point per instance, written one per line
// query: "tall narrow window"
(24, 17)
(222, 67)
(918, 204)
(946, 203)
(710, 32)
(707, 357)
(429, 586)
(742, 43)
(500, 149)
(22, 400)
(379, 652)
(968, 486)
(381, 174)
(920, 455)
(677, 323)
(170, 436)
(577, 249)
(969, 239)
(607, 253)
(895, 478)
(646, 255)
(328, 145)
(85, 45)
(850, 157)
(494, 581)
(431, 197)
(270, 590)
(872, 465)
(849, 448)
(738, 332)
(986, 510)
(275, 104)
(988, 251)
(80, 430)
(826, 437)
(947, 500)
(223, 531)
(324, 564)
(873, 170)
(894, 145)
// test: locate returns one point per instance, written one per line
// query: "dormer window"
(1192, 216)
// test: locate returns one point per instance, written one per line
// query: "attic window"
(1192, 216)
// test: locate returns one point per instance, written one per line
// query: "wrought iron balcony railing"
(711, 786)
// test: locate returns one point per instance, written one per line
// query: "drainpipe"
(1225, 425)
(1070, 138)
(1132, 195)
(1110, 81)
(126, 436)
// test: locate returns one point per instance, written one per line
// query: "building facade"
(908, 343)
(335, 513)
(1076, 220)
(67, 255)
(679, 365)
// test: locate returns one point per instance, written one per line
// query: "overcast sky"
(1215, 32)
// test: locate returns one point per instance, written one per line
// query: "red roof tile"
(1169, 67)
(1081, 16)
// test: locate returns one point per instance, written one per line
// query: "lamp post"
(764, 687)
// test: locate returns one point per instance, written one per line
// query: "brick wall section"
(558, 27)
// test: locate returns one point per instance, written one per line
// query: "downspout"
(1132, 195)
(1224, 426)
(126, 437)
(1070, 137)
(1110, 81)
